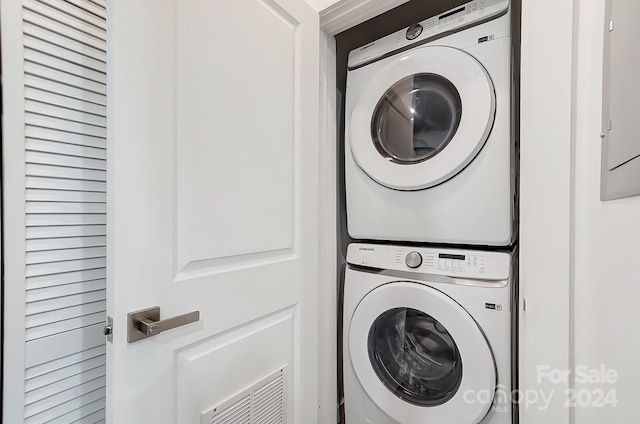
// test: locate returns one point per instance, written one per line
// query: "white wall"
(580, 257)
(545, 215)
(607, 244)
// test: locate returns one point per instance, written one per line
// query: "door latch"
(146, 323)
(108, 329)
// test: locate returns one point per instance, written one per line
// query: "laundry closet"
(430, 206)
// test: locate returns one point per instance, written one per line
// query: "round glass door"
(422, 118)
(416, 352)
(416, 118)
(415, 357)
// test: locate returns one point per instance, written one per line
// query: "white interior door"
(213, 187)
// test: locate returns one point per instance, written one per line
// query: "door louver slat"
(63, 302)
(81, 14)
(93, 417)
(65, 219)
(65, 384)
(64, 66)
(65, 278)
(65, 175)
(47, 349)
(54, 376)
(65, 113)
(65, 184)
(68, 78)
(51, 18)
(66, 231)
(53, 292)
(71, 126)
(46, 168)
(47, 370)
(53, 99)
(50, 146)
(50, 170)
(37, 245)
(56, 87)
(69, 25)
(66, 207)
(101, 3)
(90, 7)
(63, 162)
(52, 49)
(64, 196)
(64, 137)
(65, 326)
(41, 270)
(65, 255)
(36, 26)
(63, 403)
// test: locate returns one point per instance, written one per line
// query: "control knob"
(414, 31)
(413, 259)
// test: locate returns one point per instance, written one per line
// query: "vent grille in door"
(64, 47)
(268, 402)
(238, 413)
(264, 402)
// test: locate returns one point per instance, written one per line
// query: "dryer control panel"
(469, 13)
(470, 264)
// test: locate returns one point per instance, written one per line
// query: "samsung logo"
(367, 46)
(369, 249)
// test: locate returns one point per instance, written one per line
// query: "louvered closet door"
(55, 279)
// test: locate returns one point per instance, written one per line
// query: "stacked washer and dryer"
(429, 163)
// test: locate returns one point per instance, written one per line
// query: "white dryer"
(428, 145)
(427, 336)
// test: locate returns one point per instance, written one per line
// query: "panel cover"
(621, 102)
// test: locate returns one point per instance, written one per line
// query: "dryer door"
(420, 356)
(422, 118)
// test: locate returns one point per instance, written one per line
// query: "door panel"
(236, 134)
(213, 204)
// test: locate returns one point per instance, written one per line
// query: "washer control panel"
(413, 259)
(471, 264)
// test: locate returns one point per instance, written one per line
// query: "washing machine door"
(423, 118)
(420, 356)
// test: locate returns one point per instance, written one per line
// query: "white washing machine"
(427, 336)
(428, 145)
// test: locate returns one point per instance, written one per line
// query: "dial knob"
(414, 31)
(413, 260)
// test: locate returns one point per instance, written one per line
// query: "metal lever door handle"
(151, 328)
(146, 323)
